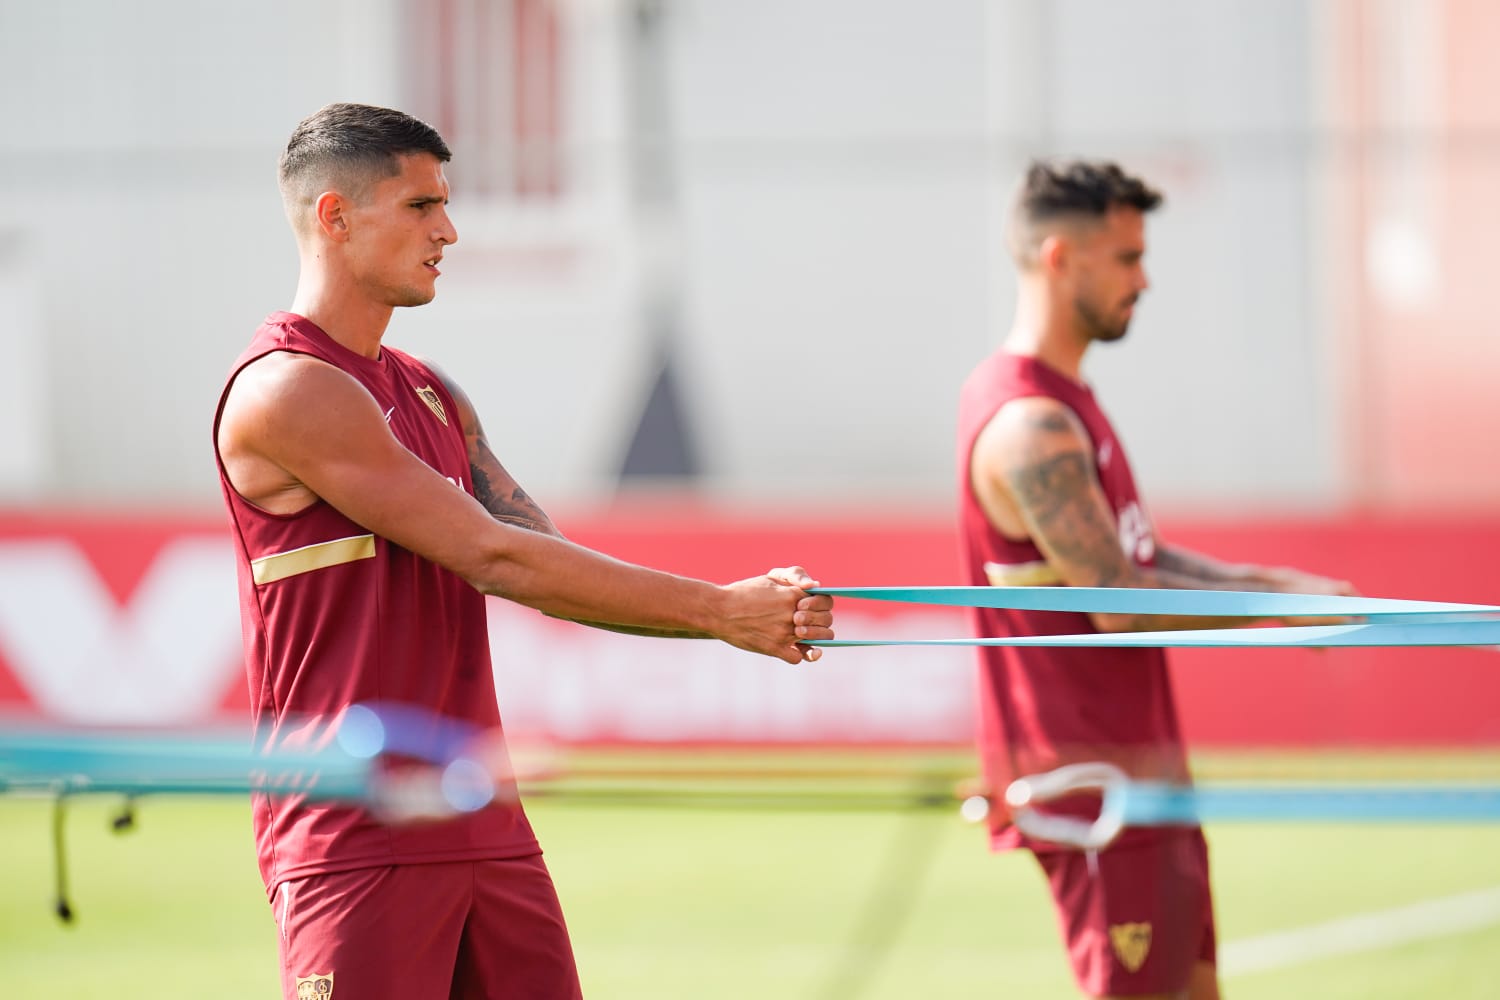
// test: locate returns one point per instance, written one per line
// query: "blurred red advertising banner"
(127, 619)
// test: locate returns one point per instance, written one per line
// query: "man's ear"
(1054, 254)
(329, 210)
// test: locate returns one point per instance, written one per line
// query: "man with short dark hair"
(370, 520)
(1047, 498)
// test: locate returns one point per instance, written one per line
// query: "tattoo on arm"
(1172, 561)
(643, 630)
(1193, 566)
(515, 507)
(493, 486)
(1056, 496)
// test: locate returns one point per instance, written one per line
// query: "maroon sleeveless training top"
(333, 615)
(1040, 708)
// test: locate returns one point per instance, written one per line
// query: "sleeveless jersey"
(1040, 708)
(333, 615)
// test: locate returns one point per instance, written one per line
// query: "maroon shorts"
(454, 929)
(1136, 918)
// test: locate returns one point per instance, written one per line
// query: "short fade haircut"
(350, 147)
(1070, 192)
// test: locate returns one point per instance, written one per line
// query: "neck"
(1043, 329)
(341, 311)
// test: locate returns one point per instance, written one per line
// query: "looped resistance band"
(1150, 803)
(1384, 621)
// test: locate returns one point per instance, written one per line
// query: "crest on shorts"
(429, 396)
(318, 986)
(1131, 942)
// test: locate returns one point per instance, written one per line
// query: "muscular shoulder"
(287, 419)
(278, 369)
(1028, 428)
(286, 394)
(288, 378)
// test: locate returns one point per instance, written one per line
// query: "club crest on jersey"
(429, 396)
(318, 986)
(1132, 942)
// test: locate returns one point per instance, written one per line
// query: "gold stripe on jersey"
(269, 569)
(1032, 574)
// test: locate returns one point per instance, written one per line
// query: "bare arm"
(499, 493)
(1198, 571)
(1186, 569)
(295, 427)
(1033, 470)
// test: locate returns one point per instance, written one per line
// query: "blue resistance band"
(1385, 621)
(1126, 802)
(1153, 804)
(1129, 803)
(346, 769)
(70, 763)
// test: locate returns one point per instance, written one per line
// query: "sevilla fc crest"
(318, 986)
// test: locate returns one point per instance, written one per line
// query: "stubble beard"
(1097, 326)
(410, 295)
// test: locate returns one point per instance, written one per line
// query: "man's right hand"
(774, 615)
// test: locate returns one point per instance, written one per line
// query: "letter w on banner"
(167, 655)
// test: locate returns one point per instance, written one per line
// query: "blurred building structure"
(752, 248)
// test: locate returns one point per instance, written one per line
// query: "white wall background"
(840, 168)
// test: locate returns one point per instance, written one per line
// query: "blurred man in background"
(1048, 499)
(370, 519)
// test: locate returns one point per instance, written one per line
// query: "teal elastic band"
(1448, 633)
(1126, 803)
(1153, 804)
(1152, 601)
(1387, 622)
(72, 763)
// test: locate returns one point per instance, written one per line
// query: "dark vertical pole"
(661, 447)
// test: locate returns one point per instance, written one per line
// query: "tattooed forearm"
(641, 630)
(516, 507)
(1170, 560)
(1199, 569)
(530, 523)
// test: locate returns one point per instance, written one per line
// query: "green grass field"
(790, 887)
